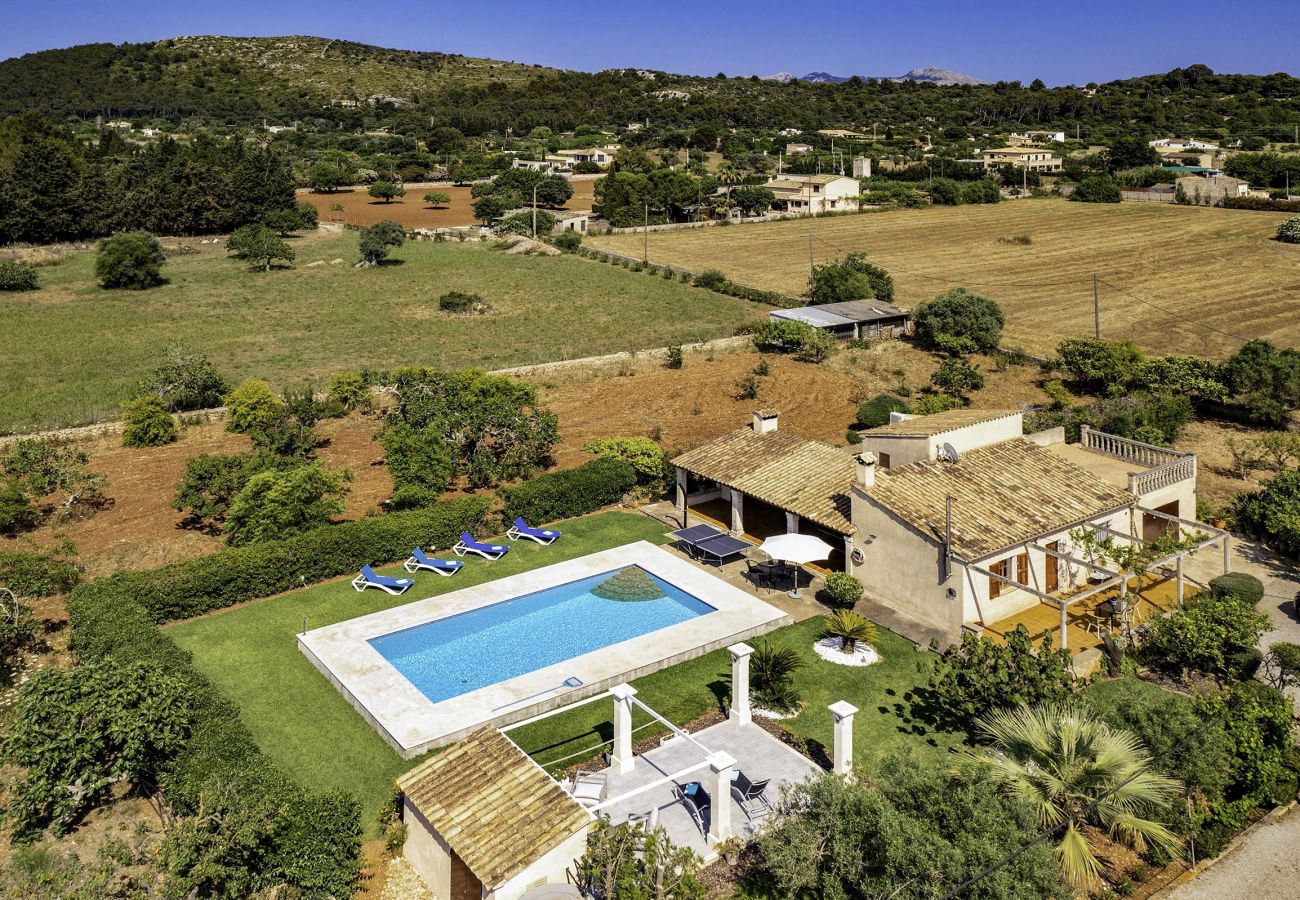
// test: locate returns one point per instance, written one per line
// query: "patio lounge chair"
(368, 579)
(696, 801)
(588, 788)
(522, 529)
(749, 794)
(467, 544)
(418, 560)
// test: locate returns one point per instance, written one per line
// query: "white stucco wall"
(550, 869)
(426, 851)
(904, 449)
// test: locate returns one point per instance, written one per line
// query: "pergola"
(1110, 577)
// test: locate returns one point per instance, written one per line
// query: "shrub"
(875, 412)
(185, 380)
(1105, 367)
(979, 675)
(1242, 585)
(957, 378)
(1288, 232)
(522, 223)
(842, 590)
(378, 240)
(568, 240)
(16, 275)
(251, 406)
(458, 301)
(17, 512)
(571, 492)
(1270, 513)
(981, 190)
(944, 192)
(625, 858)
(42, 467)
(747, 387)
(37, 573)
(211, 482)
(420, 462)
(350, 391)
(772, 669)
(1204, 635)
(92, 727)
(960, 313)
(146, 423)
(646, 457)
(283, 502)
(711, 280)
(850, 278)
(131, 261)
(19, 631)
(674, 358)
(260, 245)
(1282, 665)
(1097, 189)
(930, 403)
(851, 628)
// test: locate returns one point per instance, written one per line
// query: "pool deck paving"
(411, 723)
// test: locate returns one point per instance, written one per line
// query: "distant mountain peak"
(926, 74)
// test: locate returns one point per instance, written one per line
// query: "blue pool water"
(462, 653)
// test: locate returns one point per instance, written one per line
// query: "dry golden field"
(1201, 280)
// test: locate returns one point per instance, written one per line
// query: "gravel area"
(1264, 866)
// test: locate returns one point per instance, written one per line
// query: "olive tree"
(377, 241)
(259, 245)
(960, 314)
(132, 261)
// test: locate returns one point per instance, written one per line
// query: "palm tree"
(772, 666)
(730, 174)
(850, 627)
(1075, 770)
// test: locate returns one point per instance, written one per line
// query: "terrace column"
(721, 765)
(843, 713)
(737, 512)
(681, 497)
(848, 554)
(791, 523)
(1065, 621)
(740, 683)
(622, 761)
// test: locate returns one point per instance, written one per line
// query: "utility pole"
(645, 237)
(1096, 309)
(534, 212)
(811, 267)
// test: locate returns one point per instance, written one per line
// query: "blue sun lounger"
(369, 578)
(467, 544)
(418, 560)
(522, 529)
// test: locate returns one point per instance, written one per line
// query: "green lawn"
(73, 351)
(305, 725)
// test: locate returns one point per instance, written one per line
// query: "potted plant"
(730, 850)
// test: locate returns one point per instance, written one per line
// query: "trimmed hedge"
(237, 574)
(1238, 584)
(572, 492)
(1262, 204)
(316, 844)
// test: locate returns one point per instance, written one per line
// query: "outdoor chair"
(419, 560)
(760, 574)
(749, 794)
(369, 578)
(467, 544)
(696, 801)
(522, 529)
(588, 788)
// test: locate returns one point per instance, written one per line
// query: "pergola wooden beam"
(1074, 559)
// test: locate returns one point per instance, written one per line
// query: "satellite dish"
(950, 453)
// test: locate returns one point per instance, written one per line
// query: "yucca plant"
(1075, 770)
(772, 670)
(850, 627)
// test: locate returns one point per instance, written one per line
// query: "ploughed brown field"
(1176, 279)
(359, 208)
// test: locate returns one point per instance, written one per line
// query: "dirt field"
(1201, 280)
(359, 208)
(681, 408)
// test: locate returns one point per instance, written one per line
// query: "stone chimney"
(764, 421)
(866, 469)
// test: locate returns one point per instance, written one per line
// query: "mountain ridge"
(924, 74)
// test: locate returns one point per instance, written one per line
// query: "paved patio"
(757, 754)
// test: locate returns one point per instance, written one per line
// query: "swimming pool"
(458, 654)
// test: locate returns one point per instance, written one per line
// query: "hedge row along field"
(316, 841)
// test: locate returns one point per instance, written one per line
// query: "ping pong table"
(704, 542)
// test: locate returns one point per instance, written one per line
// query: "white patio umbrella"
(798, 549)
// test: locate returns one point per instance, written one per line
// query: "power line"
(1176, 315)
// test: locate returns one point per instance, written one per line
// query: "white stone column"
(737, 513)
(721, 765)
(843, 712)
(849, 565)
(681, 497)
(740, 713)
(791, 522)
(622, 761)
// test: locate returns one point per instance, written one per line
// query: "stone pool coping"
(412, 724)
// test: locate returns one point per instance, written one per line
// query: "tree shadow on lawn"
(921, 713)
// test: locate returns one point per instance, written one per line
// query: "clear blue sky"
(1061, 43)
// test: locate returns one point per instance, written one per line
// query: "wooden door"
(1052, 580)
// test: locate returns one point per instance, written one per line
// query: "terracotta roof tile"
(493, 805)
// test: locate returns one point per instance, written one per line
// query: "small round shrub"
(568, 240)
(875, 412)
(458, 301)
(16, 275)
(130, 261)
(251, 406)
(147, 422)
(349, 391)
(711, 280)
(17, 512)
(1289, 231)
(1238, 584)
(842, 590)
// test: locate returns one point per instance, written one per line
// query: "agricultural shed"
(852, 318)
